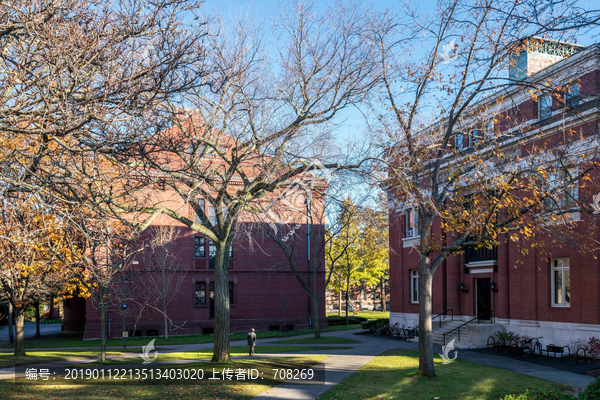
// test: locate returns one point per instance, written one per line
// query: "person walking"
(251, 341)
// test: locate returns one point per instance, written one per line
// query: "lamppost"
(124, 328)
(308, 218)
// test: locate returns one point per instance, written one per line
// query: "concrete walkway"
(29, 330)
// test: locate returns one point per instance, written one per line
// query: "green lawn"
(234, 352)
(42, 357)
(69, 341)
(393, 375)
(206, 389)
(321, 340)
(365, 314)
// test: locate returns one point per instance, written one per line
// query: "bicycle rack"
(577, 355)
(493, 342)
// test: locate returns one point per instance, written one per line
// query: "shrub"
(551, 394)
(367, 324)
(507, 336)
(335, 320)
(575, 344)
(593, 347)
(591, 392)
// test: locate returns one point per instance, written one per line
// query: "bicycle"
(382, 328)
(531, 347)
(395, 330)
(410, 333)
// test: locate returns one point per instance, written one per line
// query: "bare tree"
(163, 272)
(101, 249)
(248, 129)
(454, 90)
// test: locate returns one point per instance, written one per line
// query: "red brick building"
(264, 292)
(554, 294)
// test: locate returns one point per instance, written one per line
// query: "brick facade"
(521, 298)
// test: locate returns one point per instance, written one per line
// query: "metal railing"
(451, 310)
(478, 318)
(481, 254)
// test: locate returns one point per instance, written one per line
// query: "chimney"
(533, 54)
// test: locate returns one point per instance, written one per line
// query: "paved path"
(29, 330)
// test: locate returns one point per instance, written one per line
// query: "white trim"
(481, 271)
(410, 242)
(412, 286)
(562, 268)
(484, 263)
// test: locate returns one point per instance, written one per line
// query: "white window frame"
(412, 215)
(414, 281)
(561, 265)
(573, 95)
(569, 195)
(474, 138)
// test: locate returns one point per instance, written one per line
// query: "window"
(363, 294)
(199, 248)
(200, 293)
(212, 253)
(545, 106)
(412, 223)
(414, 286)
(212, 216)
(231, 293)
(489, 130)
(572, 95)
(561, 282)
(563, 189)
(373, 292)
(474, 138)
(230, 251)
(459, 141)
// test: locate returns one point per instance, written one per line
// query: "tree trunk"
(426, 366)
(347, 299)
(315, 304)
(51, 311)
(37, 319)
(340, 299)
(102, 310)
(164, 293)
(221, 343)
(383, 302)
(11, 317)
(19, 334)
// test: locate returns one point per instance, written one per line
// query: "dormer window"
(545, 106)
(572, 95)
(474, 138)
(459, 141)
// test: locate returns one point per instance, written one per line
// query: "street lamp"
(308, 259)
(124, 328)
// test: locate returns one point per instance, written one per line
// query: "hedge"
(367, 324)
(334, 320)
